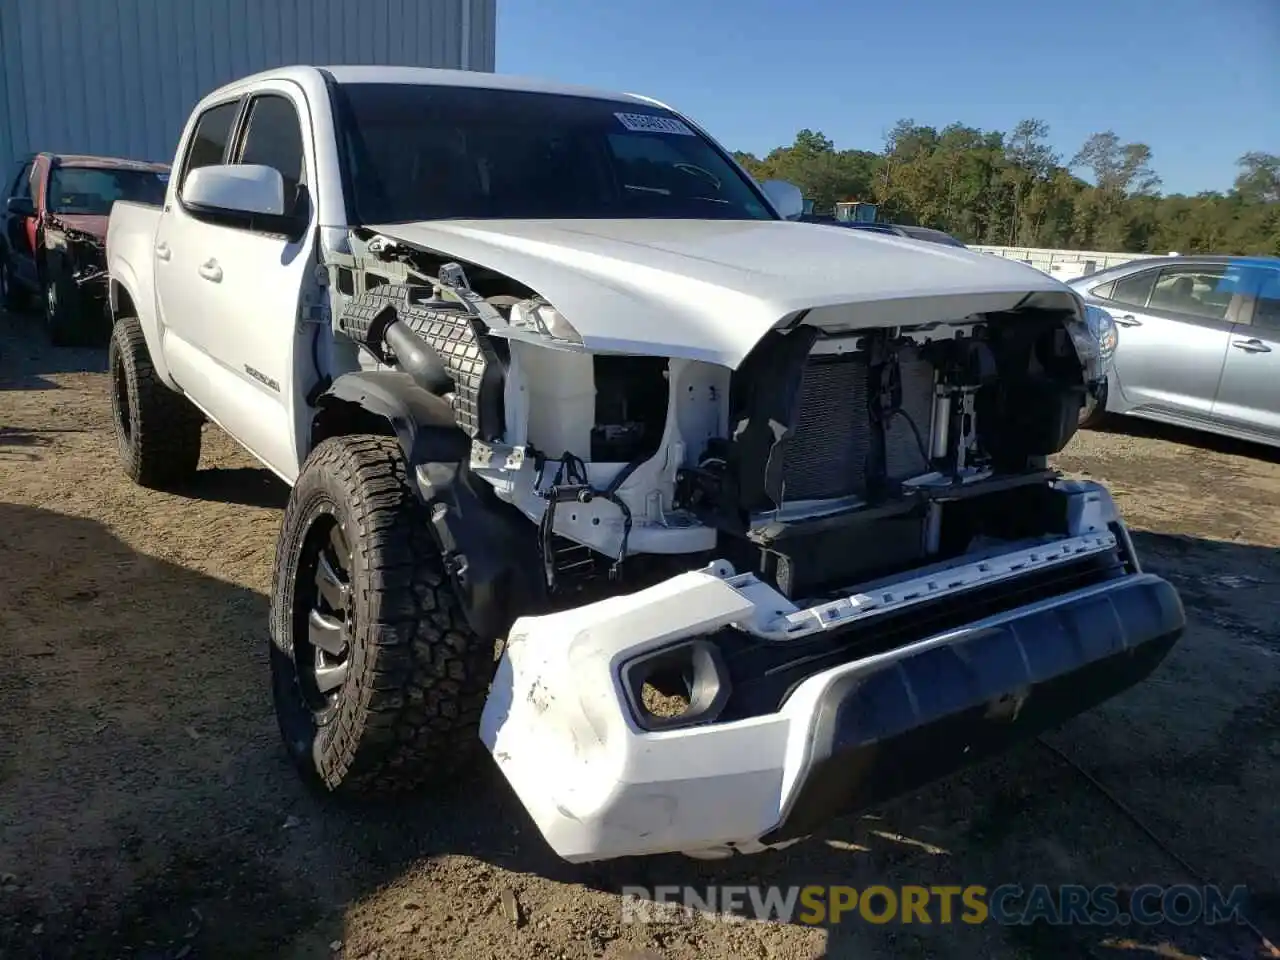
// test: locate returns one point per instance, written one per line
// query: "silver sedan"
(1198, 342)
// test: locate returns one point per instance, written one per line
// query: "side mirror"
(243, 188)
(786, 198)
(20, 207)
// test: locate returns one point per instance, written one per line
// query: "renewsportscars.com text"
(1007, 904)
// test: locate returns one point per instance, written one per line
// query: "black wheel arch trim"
(424, 423)
(486, 544)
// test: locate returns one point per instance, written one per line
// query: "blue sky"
(1197, 80)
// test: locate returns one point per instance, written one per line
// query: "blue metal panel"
(119, 77)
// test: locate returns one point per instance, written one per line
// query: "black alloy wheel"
(324, 616)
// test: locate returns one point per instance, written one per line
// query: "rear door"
(183, 292)
(1249, 398)
(1175, 322)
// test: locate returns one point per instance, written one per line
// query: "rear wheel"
(377, 679)
(157, 430)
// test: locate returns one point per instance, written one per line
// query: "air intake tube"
(394, 342)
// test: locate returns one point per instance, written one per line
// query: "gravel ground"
(148, 810)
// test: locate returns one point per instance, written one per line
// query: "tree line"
(1011, 189)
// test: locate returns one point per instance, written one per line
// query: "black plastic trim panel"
(908, 719)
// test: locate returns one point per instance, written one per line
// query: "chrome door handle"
(1251, 346)
(1128, 320)
(210, 270)
(162, 251)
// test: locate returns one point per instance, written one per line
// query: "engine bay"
(825, 458)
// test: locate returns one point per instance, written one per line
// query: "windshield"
(418, 152)
(92, 190)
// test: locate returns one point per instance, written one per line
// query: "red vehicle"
(54, 242)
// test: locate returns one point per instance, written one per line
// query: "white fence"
(1063, 264)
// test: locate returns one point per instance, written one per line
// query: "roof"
(1148, 262)
(447, 78)
(104, 163)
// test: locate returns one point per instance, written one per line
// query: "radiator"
(827, 455)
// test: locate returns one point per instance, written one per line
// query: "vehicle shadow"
(247, 486)
(1150, 429)
(16, 444)
(151, 812)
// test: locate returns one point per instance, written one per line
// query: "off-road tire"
(157, 430)
(407, 713)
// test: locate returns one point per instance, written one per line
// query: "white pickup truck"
(709, 525)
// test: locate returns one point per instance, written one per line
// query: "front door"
(256, 328)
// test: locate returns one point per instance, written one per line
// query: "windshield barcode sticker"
(648, 123)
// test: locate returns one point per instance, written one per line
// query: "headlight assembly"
(1094, 346)
(1104, 330)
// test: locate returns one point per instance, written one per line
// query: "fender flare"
(121, 276)
(424, 423)
(487, 545)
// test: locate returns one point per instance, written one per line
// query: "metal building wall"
(119, 77)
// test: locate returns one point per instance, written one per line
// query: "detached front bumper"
(789, 728)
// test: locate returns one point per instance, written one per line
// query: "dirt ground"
(147, 810)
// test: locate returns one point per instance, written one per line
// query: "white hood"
(709, 290)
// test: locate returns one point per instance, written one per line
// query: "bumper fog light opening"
(692, 673)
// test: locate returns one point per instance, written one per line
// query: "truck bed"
(131, 233)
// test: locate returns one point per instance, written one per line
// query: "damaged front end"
(767, 593)
(79, 262)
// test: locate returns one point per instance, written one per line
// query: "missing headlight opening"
(631, 408)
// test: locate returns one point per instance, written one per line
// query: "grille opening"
(826, 456)
(829, 453)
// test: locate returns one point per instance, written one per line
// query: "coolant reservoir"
(561, 397)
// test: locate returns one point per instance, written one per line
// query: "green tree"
(989, 186)
(1259, 179)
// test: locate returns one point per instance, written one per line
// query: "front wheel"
(377, 679)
